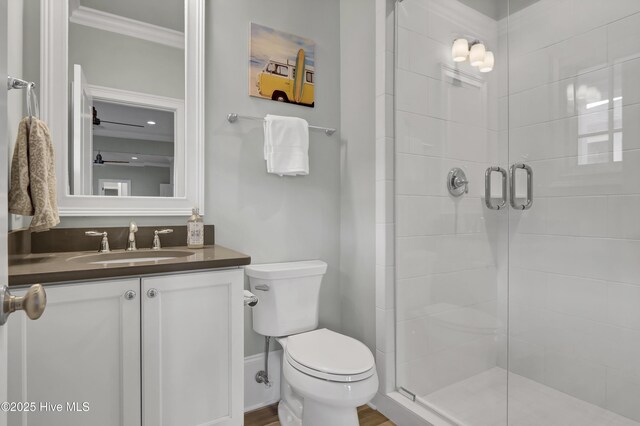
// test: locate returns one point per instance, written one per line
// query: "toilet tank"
(288, 296)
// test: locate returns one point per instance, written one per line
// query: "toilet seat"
(331, 356)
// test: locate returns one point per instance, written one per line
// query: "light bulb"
(487, 64)
(460, 50)
(476, 55)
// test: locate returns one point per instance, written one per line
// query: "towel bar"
(233, 117)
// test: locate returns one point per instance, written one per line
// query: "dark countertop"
(47, 268)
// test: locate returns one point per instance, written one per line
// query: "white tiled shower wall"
(575, 256)
(450, 252)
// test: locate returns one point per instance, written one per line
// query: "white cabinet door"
(84, 348)
(192, 348)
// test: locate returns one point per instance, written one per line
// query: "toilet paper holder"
(250, 299)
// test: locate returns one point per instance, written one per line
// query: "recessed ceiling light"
(134, 158)
(151, 122)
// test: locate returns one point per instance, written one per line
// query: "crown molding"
(73, 6)
(130, 27)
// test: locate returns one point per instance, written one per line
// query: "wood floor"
(268, 416)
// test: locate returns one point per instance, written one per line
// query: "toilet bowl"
(325, 375)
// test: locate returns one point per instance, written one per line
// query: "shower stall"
(517, 210)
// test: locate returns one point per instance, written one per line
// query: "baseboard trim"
(257, 395)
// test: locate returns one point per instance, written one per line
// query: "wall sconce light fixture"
(487, 64)
(460, 50)
(476, 54)
(476, 51)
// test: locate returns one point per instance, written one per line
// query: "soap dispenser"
(195, 230)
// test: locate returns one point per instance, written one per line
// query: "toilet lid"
(327, 354)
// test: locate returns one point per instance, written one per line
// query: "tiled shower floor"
(480, 401)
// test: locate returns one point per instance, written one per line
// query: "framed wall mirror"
(122, 87)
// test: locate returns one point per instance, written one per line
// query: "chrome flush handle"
(33, 303)
(262, 287)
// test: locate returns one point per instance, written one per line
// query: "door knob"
(33, 303)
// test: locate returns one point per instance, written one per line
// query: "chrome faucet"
(131, 241)
(156, 238)
(104, 244)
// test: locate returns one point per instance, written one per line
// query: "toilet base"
(315, 414)
(287, 416)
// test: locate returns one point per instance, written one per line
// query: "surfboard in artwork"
(299, 77)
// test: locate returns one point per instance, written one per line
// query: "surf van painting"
(282, 66)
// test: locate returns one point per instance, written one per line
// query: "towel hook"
(32, 102)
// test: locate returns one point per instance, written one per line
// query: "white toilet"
(326, 375)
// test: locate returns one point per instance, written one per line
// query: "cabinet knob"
(130, 294)
(152, 292)
(33, 303)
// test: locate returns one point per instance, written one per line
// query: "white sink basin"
(132, 260)
(130, 257)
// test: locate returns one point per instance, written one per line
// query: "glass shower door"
(451, 249)
(527, 315)
(574, 257)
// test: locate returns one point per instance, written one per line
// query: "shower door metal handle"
(487, 188)
(512, 171)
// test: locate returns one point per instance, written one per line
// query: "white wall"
(133, 146)
(23, 56)
(281, 219)
(128, 63)
(357, 200)
(450, 252)
(16, 106)
(273, 218)
(575, 275)
(145, 181)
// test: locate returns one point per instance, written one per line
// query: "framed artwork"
(281, 66)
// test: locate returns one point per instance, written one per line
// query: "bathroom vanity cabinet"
(158, 350)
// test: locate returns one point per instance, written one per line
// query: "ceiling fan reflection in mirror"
(98, 122)
(100, 161)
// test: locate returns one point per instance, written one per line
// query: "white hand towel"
(286, 145)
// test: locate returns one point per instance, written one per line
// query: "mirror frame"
(54, 110)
